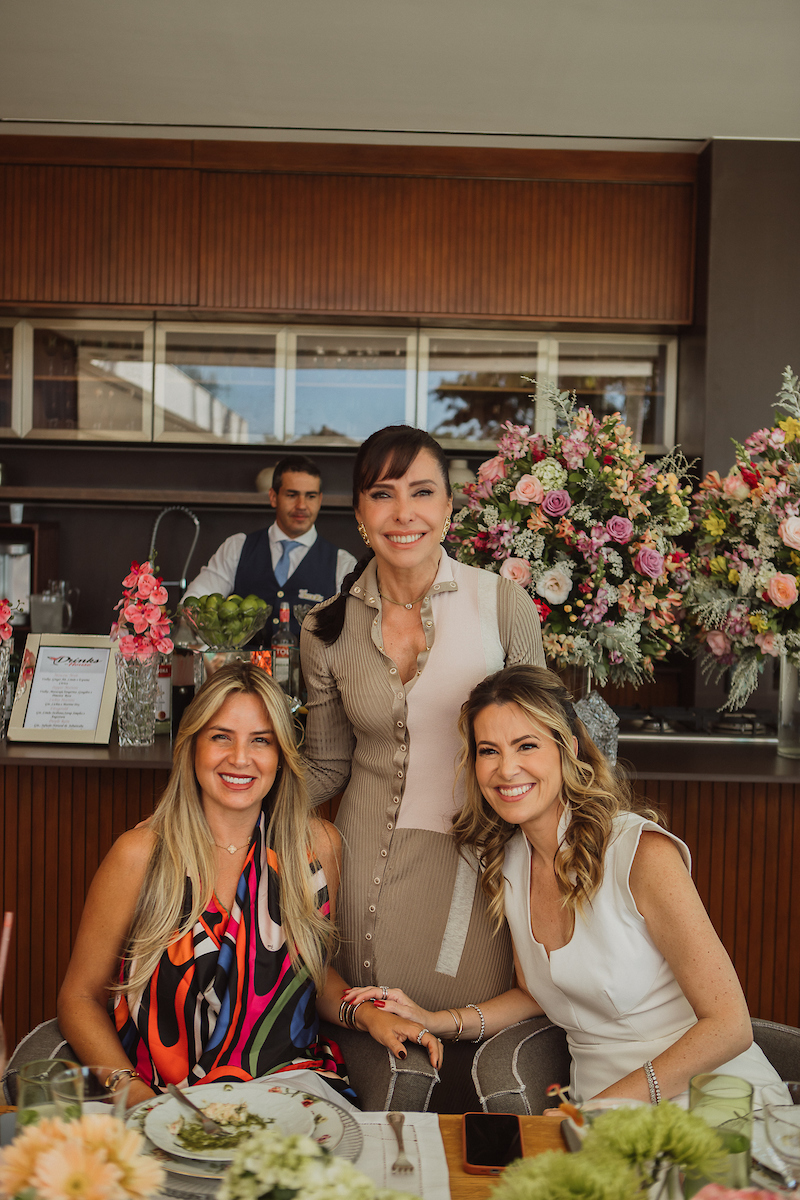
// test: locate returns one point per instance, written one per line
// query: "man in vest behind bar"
(288, 559)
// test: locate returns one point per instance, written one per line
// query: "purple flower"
(556, 503)
(649, 562)
(620, 530)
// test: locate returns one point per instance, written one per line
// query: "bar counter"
(736, 805)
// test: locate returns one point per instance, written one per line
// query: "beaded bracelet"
(480, 1036)
(652, 1083)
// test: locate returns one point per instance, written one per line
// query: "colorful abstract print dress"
(224, 1003)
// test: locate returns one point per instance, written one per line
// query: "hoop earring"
(446, 529)
(362, 530)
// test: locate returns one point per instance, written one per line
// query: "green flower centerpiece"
(626, 1152)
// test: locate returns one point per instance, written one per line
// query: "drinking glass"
(35, 1088)
(782, 1122)
(725, 1102)
(80, 1090)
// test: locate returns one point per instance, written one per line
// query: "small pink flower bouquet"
(587, 526)
(5, 621)
(93, 1158)
(144, 627)
(746, 566)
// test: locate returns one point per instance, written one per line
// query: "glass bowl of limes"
(225, 623)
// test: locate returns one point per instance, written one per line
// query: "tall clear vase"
(137, 683)
(789, 710)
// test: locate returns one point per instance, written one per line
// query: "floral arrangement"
(6, 630)
(273, 1166)
(142, 605)
(588, 527)
(625, 1152)
(746, 565)
(93, 1158)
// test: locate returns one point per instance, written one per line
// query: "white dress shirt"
(219, 573)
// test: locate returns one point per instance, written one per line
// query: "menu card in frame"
(66, 690)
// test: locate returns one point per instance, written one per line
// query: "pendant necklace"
(401, 603)
(232, 849)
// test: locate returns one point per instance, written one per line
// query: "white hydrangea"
(550, 474)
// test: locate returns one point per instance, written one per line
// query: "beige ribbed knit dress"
(410, 913)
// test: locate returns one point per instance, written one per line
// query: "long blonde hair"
(594, 794)
(184, 845)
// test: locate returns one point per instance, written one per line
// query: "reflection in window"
(476, 385)
(347, 387)
(6, 354)
(89, 380)
(628, 379)
(220, 386)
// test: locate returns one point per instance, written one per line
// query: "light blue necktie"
(282, 569)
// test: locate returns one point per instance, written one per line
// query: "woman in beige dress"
(388, 664)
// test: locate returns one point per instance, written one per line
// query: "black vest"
(313, 581)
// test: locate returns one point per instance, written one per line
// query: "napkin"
(423, 1142)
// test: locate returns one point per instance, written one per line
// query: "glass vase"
(5, 661)
(577, 680)
(137, 683)
(789, 710)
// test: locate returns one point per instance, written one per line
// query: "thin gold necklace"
(233, 849)
(401, 603)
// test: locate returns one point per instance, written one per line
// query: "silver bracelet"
(480, 1036)
(652, 1083)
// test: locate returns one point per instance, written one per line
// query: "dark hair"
(294, 462)
(386, 454)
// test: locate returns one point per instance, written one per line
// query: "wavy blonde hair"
(593, 792)
(184, 845)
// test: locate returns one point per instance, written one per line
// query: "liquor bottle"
(164, 694)
(283, 642)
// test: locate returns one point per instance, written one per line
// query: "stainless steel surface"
(402, 1164)
(700, 739)
(180, 508)
(209, 1126)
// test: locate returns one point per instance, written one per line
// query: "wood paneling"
(744, 838)
(378, 232)
(94, 235)
(352, 159)
(56, 823)
(445, 248)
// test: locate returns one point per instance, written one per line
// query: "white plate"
(334, 1128)
(279, 1109)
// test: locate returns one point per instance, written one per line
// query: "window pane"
(348, 386)
(475, 385)
(90, 380)
(218, 386)
(628, 379)
(6, 355)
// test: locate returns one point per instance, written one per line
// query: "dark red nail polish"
(401, 1053)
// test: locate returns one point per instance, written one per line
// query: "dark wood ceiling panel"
(447, 247)
(97, 235)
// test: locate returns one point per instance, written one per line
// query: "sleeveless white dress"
(610, 988)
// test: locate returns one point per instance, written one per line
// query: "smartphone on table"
(491, 1141)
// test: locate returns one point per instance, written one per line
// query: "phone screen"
(491, 1139)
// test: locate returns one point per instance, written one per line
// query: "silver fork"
(402, 1163)
(208, 1125)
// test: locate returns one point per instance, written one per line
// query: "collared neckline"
(366, 586)
(276, 536)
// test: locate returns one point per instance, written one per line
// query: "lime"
(229, 608)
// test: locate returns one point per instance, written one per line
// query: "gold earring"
(446, 529)
(362, 530)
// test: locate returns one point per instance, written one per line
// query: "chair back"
(781, 1045)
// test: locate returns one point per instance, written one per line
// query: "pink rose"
(492, 470)
(718, 643)
(649, 562)
(789, 530)
(556, 503)
(518, 570)
(734, 487)
(620, 530)
(766, 643)
(529, 490)
(782, 590)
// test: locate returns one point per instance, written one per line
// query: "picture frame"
(67, 690)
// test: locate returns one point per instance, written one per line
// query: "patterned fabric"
(224, 1002)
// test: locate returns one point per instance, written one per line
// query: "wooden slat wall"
(56, 823)
(337, 244)
(744, 839)
(93, 235)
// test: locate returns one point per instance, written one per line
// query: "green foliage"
(557, 1176)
